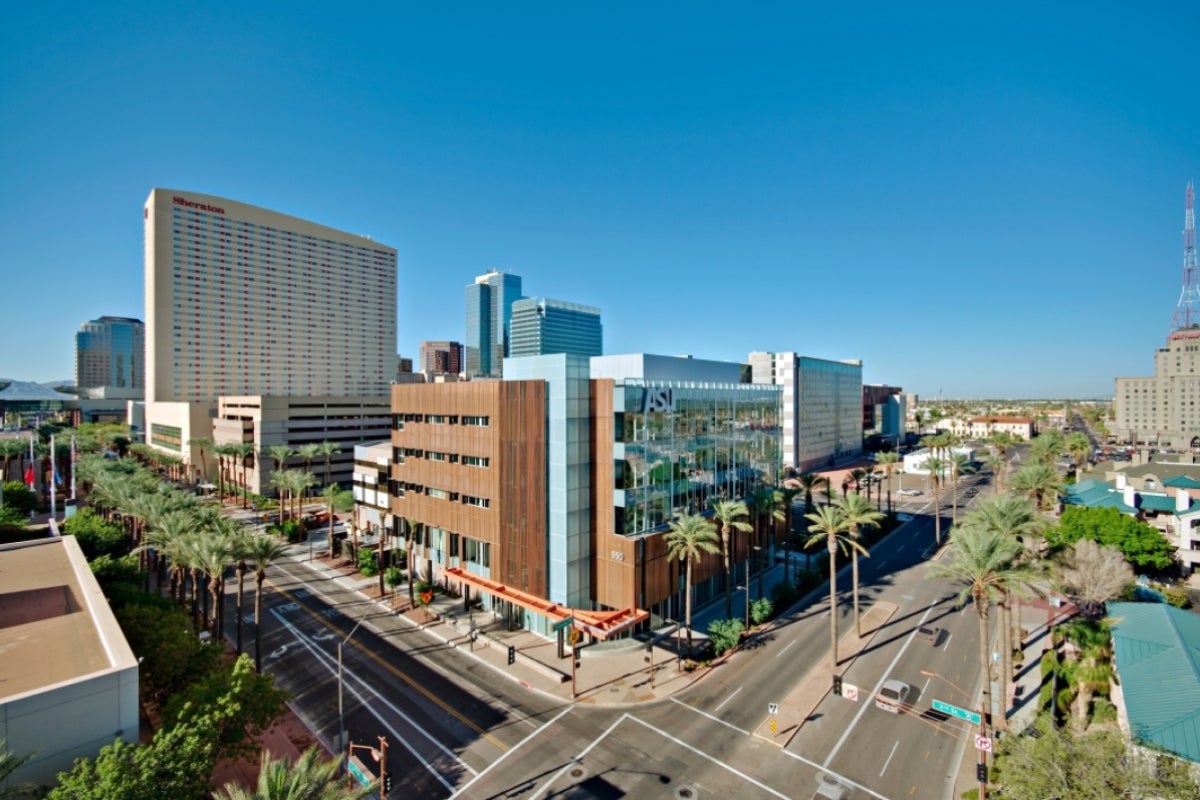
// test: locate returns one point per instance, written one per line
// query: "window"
(478, 502)
(440, 494)
(433, 456)
(437, 419)
(475, 461)
(479, 422)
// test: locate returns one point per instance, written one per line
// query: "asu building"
(248, 303)
(548, 494)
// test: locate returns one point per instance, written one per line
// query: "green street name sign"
(360, 773)
(955, 711)
(566, 623)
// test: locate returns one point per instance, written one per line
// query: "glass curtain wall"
(687, 443)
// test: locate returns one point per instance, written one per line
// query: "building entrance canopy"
(598, 624)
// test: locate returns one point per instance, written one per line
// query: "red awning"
(599, 624)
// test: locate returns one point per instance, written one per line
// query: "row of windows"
(403, 488)
(402, 453)
(398, 420)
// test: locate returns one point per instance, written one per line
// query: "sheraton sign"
(179, 201)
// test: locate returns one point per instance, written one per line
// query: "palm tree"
(410, 531)
(785, 499)
(214, 551)
(768, 503)
(829, 524)
(857, 514)
(998, 464)
(959, 465)
(241, 552)
(226, 453)
(308, 452)
(1013, 516)
(689, 538)
(888, 460)
(810, 482)
(281, 481)
(310, 778)
(279, 453)
(937, 468)
(1000, 441)
(730, 514)
(262, 552)
(10, 449)
(984, 560)
(203, 444)
(328, 450)
(1091, 668)
(1039, 482)
(244, 451)
(1079, 447)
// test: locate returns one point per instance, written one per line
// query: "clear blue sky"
(981, 200)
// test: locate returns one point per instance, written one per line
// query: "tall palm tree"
(857, 514)
(244, 451)
(1080, 448)
(730, 516)
(959, 465)
(410, 532)
(998, 464)
(205, 445)
(328, 450)
(262, 552)
(1039, 482)
(308, 452)
(689, 538)
(984, 560)
(281, 481)
(936, 468)
(301, 482)
(829, 525)
(810, 482)
(888, 460)
(1000, 441)
(768, 508)
(215, 550)
(1009, 515)
(226, 455)
(786, 498)
(280, 453)
(241, 552)
(310, 778)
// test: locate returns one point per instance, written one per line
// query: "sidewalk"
(1038, 617)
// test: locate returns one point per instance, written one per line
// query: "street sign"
(955, 711)
(772, 708)
(566, 623)
(360, 772)
(850, 691)
(983, 743)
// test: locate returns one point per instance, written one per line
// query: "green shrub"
(724, 634)
(20, 498)
(760, 610)
(393, 577)
(784, 594)
(1103, 710)
(96, 535)
(1177, 597)
(366, 562)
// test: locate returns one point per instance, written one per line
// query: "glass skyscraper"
(489, 310)
(546, 327)
(110, 352)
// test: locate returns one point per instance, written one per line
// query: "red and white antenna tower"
(1187, 311)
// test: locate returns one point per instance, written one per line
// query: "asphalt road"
(455, 730)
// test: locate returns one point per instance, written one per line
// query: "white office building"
(822, 407)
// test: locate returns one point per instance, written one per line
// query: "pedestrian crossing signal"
(512, 654)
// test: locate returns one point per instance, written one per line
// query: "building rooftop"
(55, 623)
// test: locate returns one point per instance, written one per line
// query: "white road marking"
(727, 699)
(721, 764)
(785, 647)
(379, 699)
(510, 751)
(579, 758)
(889, 758)
(925, 688)
(840, 778)
(878, 686)
(949, 636)
(710, 716)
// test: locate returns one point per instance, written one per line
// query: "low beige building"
(68, 679)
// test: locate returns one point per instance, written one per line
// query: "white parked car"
(910, 492)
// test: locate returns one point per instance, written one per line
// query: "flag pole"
(73, 457)
(53, 476)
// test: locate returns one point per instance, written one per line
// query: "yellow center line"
(440, 703)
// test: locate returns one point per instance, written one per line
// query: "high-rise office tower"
(544, 327)
(110, 352)
(245, 301)
(489, 310)
(442, 358)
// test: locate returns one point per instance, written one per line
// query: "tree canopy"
(1142, 545)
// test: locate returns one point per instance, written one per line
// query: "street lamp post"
(982, 728)
(759, 564)
(341, 717)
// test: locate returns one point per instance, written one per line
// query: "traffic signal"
(837, 685)
(387, 782)
(512, 654)
(981, 773)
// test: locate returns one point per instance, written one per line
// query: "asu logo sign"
(657, 400)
